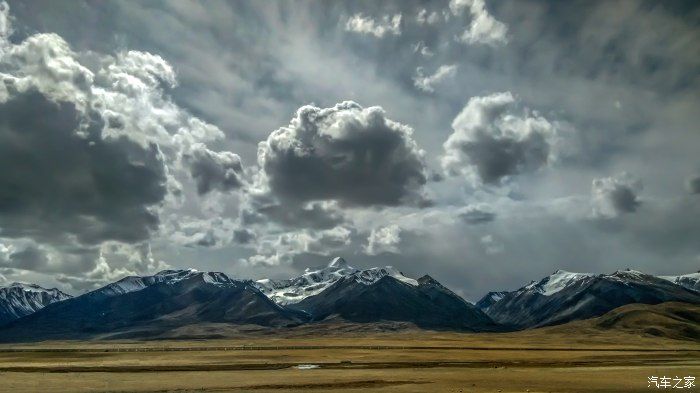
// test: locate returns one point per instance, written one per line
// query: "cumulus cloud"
(359, 23)
(349, 154)
(384, 239)
(616, 195)
(92, 147)
(427, 82)
(483, 27)
(102, 273)
(77, 267)
(214, 170)
(494, 139)
(5, 23)
(425, 17)
(693, 185)
(281, 249)
(474, 215)
(187, 231)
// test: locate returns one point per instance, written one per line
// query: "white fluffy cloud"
(494, 138)
(211, 232)
(281, 249)
(5, 25)
(384, 239)
(483, 27)
(425, 17)
(359, 23)
(615, 195)
(427, 82)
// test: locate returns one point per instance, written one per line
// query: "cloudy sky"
(486, 143)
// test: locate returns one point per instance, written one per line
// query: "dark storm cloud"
(56, 183)
(616, 195)
(693, 185)
(30, 258)
(214, 170)
(474, 215)
(317, 215)
(624, 199)
(642, 43)
(347, 153)
(243, 236)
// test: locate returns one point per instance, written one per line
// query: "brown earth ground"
(577, 357)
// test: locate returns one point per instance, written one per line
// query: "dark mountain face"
(565, 297)
(161, 306)
(19, 300)
(427, 304)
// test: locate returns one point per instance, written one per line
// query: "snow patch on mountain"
(690, 281)
(490, 298)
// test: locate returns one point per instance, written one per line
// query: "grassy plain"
(570, 358)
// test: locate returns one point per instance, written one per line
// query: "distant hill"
(675, 320)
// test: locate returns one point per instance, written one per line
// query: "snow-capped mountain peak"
(690, 281)
(555, 282)
(314, 281)
(20, 299)
(137, 283)
(338, 262)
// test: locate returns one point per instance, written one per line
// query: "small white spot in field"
(307, 366)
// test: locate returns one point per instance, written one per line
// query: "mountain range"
(176, 300)
(564, 296)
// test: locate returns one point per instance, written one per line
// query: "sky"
(486, 143)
